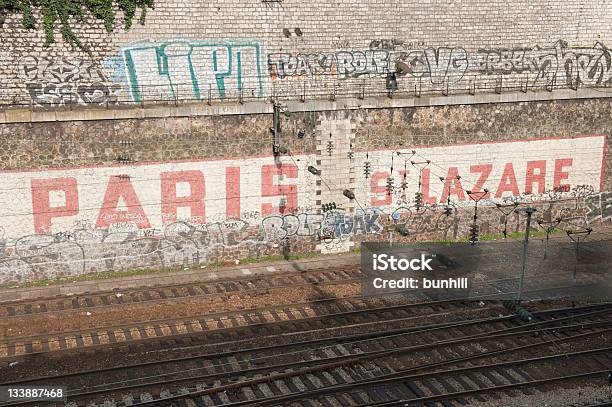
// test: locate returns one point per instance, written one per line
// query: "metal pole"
(570, 233)
(576, 264)
(549, 227)
(529, 212)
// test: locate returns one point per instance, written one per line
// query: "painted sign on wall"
(155, 194)
(71, 221)
(505, 169)
(152, 195)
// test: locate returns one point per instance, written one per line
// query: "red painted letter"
(378, 189)
(452, 185)
(268, 188)
(432, 200)
(232, 193)
(170, 202)
(507, 183)
(532, 176)
(560, 175)
(485, 171)
(41, 201)
(121, 189)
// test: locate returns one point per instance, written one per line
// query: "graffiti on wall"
(336, 65)
(192, 69)
(558, 64)
(62, 81)
(569, 66)
(85, 248)
(394, 44)
(599, 207)
(328, 226)
(440, 65)
(201, 69)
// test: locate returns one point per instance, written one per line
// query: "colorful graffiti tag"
(190, 69)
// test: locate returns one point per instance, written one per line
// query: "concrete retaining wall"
(117, 194)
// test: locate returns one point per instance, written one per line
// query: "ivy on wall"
(60, 11)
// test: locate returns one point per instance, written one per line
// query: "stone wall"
(108, 195)
(227, 50)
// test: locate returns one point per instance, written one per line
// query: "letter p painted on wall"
(44, 210)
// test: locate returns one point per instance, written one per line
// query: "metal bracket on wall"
(124, 160)
(332, 96)
(499, 85)
(525, 88)
(550, 86)
(276, 129)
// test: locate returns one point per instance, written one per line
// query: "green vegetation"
(519, 235)
(54, 11)
(87, 277)
(291, 256)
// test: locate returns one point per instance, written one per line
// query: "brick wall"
(346, 48)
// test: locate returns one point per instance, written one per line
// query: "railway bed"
(335, 317)
(177, 292)
(356, 365)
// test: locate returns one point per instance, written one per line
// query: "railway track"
(319, 368)
(288, 335)
(219, 310)
(284, 388)
(177, 292)
(345, 273)
(310, 315)
(88, 335)
(338, 350)
(458, 386)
